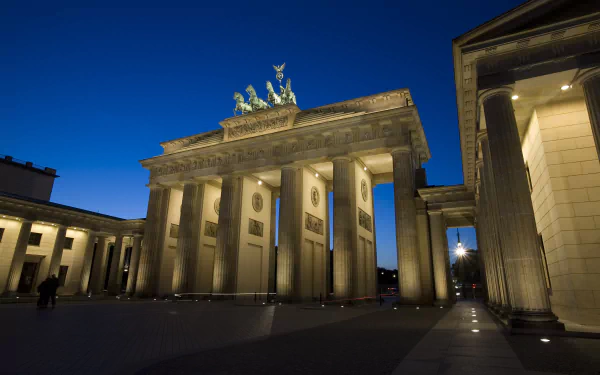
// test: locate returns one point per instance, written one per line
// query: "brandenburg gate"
(212, 214)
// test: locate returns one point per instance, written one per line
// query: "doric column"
(147, 274)
(272, 255)
(228, 234)
(484, 232)
(16, 265)
(438, 250)
(344, 224)
(57, 251)
(409, 282)
(528, 295)
(86, 267)
(114, 281)
(98, 272)
(328, 265)
(290, 225)
(496, 237)
(373, 287)
(590, 81)
(184, 272)
(133, 264)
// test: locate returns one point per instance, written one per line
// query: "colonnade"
(506, 228)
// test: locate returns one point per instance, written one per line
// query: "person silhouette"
(42, 289)
(52, 287)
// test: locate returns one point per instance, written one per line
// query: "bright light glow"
(474, 315)
(544, 340)
(417, 307)
(565, 87)
(365, 168)
(279, 303)
(441, 307)
(263, 303)
(316, 175)
(382, 273)
(17, 297)
(458, 294)
(155, 299)
(342, 305)
(395, 308)
(394, 275)
(196, 300)
(460, 251)
(514, 97)
(474, 321)
(322, 305)
(475, 330)
(259, 182)
(208, 300)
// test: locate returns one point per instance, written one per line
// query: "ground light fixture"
(514, 97)
(474, 315)
(545, 340)
(474, 321)
(417, 307)
(474, 330)
(395, 308)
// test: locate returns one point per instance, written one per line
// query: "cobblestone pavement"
(122, 337)
(222, 338)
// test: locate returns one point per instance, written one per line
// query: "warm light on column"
(259, 182)
(316, 175)
(565, 87)
(514, 97)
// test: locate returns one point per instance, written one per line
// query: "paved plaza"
(223, 338)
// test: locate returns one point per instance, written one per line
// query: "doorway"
(28, 275)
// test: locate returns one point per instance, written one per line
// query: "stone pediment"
(260, 123)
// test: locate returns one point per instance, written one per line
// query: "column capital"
(191, 182)
(504, 90)
(435, 212)
(589, 74)
(155, 186)
(403, 149)
(342, 157)
(482, 135)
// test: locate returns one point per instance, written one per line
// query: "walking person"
(52, 287)
(42, 289)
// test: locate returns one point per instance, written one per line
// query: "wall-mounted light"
(365, 168)
(514, 97)
(565, 87)
(316, 175)
(259, 182)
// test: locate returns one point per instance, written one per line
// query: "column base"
(9, 294)
(532, 321)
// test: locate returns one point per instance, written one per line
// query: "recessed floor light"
(475, 330)
(474, 321)
(545, 340)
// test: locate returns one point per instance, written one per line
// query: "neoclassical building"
(89, 252)
(528, 97)
(528, 100)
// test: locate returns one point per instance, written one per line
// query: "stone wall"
(565, 176)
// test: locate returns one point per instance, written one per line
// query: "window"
(35, 239)
(1, 233)
(528, 177)
(174, 232)
(62, 275)
(68, 243)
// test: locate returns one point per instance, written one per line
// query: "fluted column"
(57, 251)
(98, 271)
(272, 254)
(114, 281)
(438, 250)
(16, 265)
(290, 226)
(228, 234)
(344, 224)
(484, 230)
(153, 233)
(591, 90)
(184, 273)
(133, 264)
(86, 267)
(528, 295)
(497, 238)
(328, 265)
(409, 282)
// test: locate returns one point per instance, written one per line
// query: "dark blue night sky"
(90, 91)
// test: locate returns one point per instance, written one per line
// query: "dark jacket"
(52, 285)
(43, 287)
